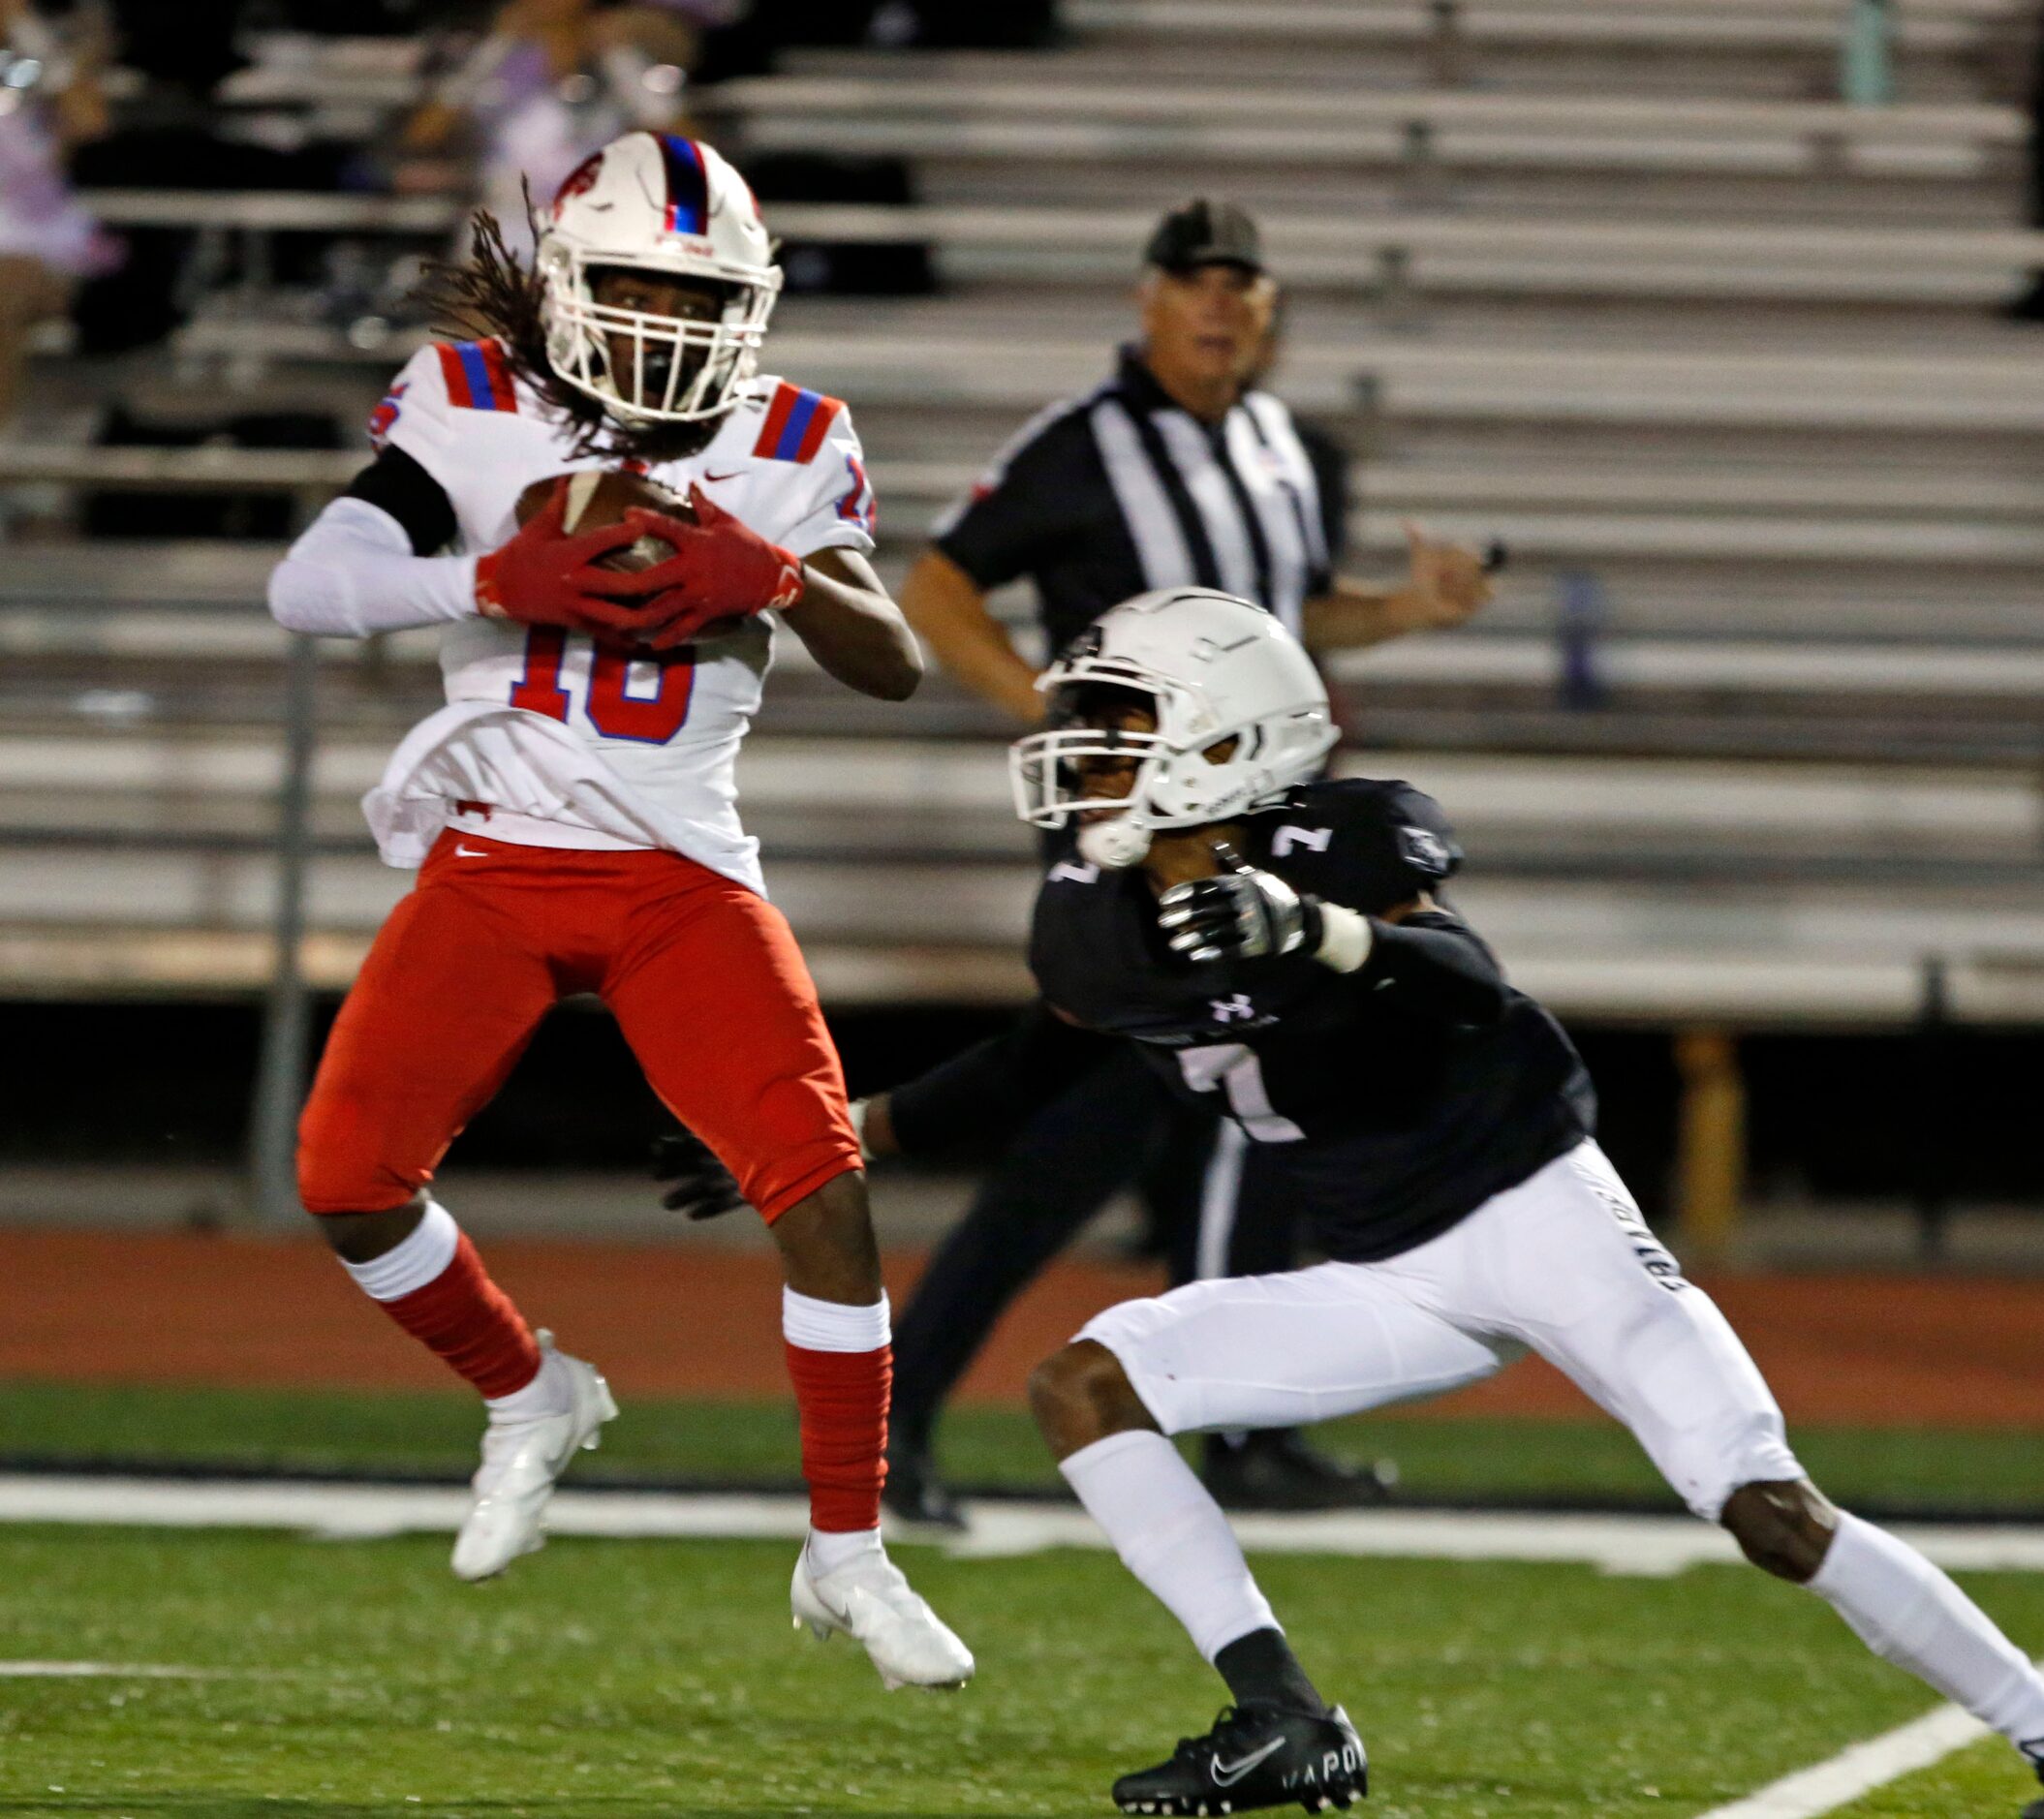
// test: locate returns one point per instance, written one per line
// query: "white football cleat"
(522, 1459)
(869, 1600)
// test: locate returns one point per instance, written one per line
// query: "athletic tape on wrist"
(1345, 939)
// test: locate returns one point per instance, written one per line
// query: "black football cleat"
(916, 1496)
(1277, 1470)
(1255, 1756)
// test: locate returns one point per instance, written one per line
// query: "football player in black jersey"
(1283, 946)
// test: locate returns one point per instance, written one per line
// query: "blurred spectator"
(552, 83)
(171, 135)
(184, 48)
(49, 101)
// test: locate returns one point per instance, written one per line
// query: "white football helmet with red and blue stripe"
(657, 204)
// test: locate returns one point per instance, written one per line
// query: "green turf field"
(610, 1678)
(287, 1430)
(606, 1680)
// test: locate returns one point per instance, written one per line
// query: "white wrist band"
(1345, 939)
(858, 1109)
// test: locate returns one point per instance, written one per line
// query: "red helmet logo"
(580, 180)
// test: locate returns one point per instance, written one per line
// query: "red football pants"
(704, 977)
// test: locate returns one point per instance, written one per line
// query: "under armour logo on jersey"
(1075, 872)
(1236, 1009)
(1289, 837)
(1424, 851)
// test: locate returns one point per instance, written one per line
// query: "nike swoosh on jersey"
(1235, 1770)
(710, 480)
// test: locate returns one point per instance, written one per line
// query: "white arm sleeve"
(352, 574)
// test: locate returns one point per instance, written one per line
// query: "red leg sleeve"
(465, 1318)
(842, 1398)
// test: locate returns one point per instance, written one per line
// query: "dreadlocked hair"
(494, 296)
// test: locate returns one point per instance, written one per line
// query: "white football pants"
(1563, 1265)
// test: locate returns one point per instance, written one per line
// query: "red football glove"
(721, 568)
(542, 578)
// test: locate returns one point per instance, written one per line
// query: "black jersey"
(1389, 1123)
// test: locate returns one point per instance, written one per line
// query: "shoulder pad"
(796, 424)
(478, 374)
(1387, 818)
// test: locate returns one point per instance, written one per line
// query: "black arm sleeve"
(397, 484)
(985, 1093)
(1435, 962)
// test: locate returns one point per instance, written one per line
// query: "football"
(598, 498)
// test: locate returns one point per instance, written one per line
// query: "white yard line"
(1636, 1546)
(1860, 1769)
(103, 1671)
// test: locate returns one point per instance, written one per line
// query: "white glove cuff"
(1345, 939)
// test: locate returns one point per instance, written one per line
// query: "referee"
(1176, 471)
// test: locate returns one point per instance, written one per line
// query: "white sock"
(833, 1325)
(1908, 1613)
(548, 1394)
(829, 1552)
(1170, 1535)
(423, 1257)
(406, 1267)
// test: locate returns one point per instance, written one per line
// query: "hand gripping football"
(598, 498)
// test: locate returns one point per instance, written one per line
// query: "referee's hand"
(1447, 582)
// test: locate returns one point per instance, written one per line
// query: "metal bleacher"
(1750, 732)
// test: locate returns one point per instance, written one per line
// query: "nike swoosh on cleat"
(1234, 1772)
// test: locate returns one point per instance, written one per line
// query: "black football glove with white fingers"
(1238, 914)
(698, 1185)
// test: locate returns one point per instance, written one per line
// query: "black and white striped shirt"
(1123, 490)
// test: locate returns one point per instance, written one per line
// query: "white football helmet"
(1216, 669)
(656, 203)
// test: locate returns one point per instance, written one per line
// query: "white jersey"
(785, 461)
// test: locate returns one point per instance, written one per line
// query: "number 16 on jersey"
(615, 707)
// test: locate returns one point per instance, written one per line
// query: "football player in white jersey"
(1283, 944)
(574, 815)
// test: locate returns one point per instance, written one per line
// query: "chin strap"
(1114, 845)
